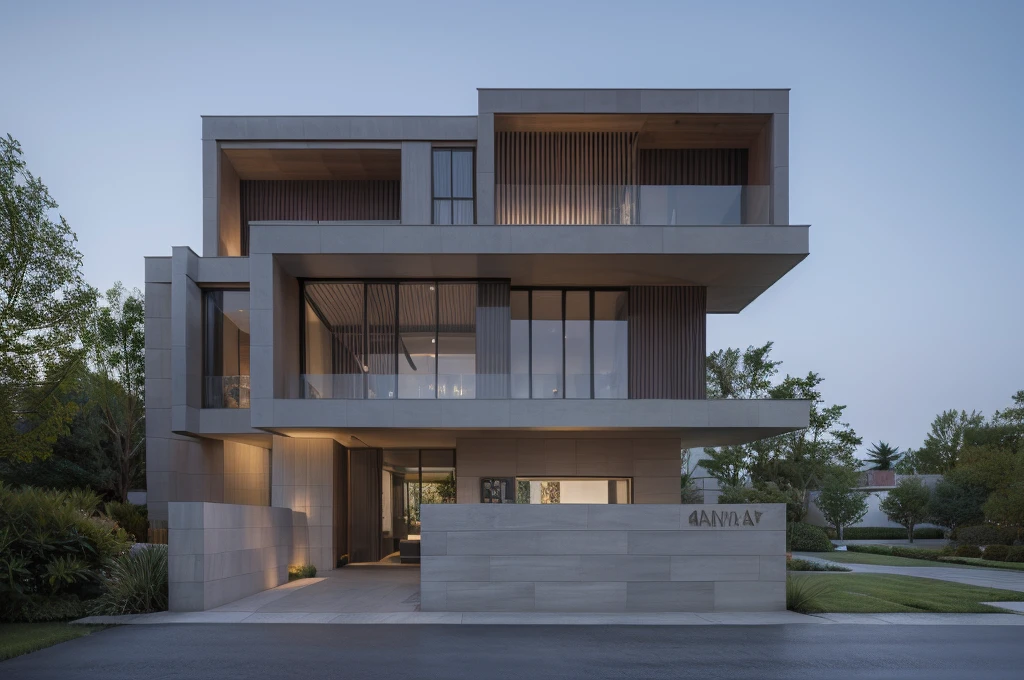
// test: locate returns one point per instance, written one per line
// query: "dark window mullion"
(564, 390)
(592, 366)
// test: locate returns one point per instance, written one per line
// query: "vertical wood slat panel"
(693, 166)
(317, 200)
(667, 342)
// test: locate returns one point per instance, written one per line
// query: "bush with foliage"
(297, 571)
(984, 534)
(996, 553)
(1015, 554)
(53, 550)
(796, 564)
(135, 583)
(803, 537)
(769, 492)
(134, 519)
(900, 551)
(967, 551)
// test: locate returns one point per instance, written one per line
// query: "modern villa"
(473, 340)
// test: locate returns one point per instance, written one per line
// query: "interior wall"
(286, 335)
(229, 211)
(652, 464)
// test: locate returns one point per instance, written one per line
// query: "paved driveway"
(311, 652)
(1006, 579)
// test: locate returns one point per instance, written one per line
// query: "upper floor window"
(226, 349)
(453, 186)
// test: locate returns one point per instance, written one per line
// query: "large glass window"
(520, 343)
(226, 349)
(456, 340)
(570, 344)
(546, 341)
(417, 340)
(411, 478)
(453, 186)
(381, 315)
(577, 344)
(595, 491)
(611, 338)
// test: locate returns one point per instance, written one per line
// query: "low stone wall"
(603, 558)
(218, 553)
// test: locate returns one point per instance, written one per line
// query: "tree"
(727, 464)
(1006, 505)
(1014, 415)
(907, 504)
(687, 492)
(956, 501)
(117, 336)
(769, 492)
(840, 503)
(44, 307)
(945, 442)
(883, 456)
(730, 376)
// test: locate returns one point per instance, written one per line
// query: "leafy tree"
(907, 504)
(840, 503)
(1006, 504)
(727, 464)
(769, 492)
(945, 442)
(1014, 415)
(883, 456)
(956, 501)
(732, 376)
(687, 492)
(44, 307)
(117, 336)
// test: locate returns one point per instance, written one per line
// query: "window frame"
(205, 292)
(451, 181)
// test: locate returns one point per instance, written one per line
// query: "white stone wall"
(603, 558)
(652, 464)
(303, 481)
(218, 553)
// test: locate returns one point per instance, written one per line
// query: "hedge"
(984, 534)
(885, 533)
(803, 537)
(997, 553)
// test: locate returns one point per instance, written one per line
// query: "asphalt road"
(309, 652)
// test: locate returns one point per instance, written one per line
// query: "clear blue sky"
(907, 155)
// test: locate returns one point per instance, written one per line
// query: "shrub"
(297, 571)
(797, 564)
(1015, 553)
(52, 552)
(135, 583)
(997, 553)
(803, 592)
(134, 519)
(803, 537)
(769, 492)
(915, 553)
(984, 534)
(967, 551)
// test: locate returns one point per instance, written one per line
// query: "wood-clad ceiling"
(661, 131)
(343, 164)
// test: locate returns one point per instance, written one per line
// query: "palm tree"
(883, 456)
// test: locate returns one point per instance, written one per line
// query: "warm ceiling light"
(431, 288)
(432, 341)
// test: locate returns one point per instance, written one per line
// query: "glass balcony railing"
(655, 205)
(226, 391)
(463, 386)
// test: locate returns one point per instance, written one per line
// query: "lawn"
(889, 594)
(22, 638)
(884, 560)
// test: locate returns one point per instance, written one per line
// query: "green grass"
(891, 594)
(22, 638)
(883, 560)
(977, 562)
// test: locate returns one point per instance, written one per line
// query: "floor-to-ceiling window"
(570, 344)
(410, 479)
(405, 340)
(226, 349)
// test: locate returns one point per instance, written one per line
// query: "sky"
(906, 152)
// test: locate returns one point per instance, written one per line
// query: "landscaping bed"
(918, 555)
(892, 594)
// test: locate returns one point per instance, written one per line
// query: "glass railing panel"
(655, 205)
(226, 391)
(460, 386)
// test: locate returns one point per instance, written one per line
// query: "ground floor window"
(553, 491)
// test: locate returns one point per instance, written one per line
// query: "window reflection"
(577, 344)
(520, 342)
(456, 341)
(226, 349)
(417, 340)
(611, 345)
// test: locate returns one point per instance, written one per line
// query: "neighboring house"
(877, 483)
(388, 310)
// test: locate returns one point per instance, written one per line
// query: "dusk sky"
(906, 155)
